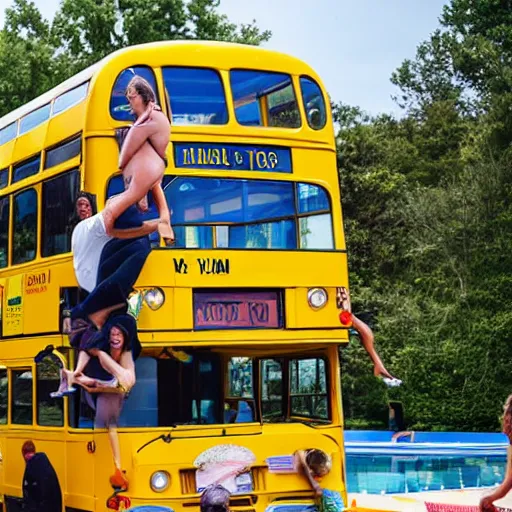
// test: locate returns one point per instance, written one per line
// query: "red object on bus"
(346, 317)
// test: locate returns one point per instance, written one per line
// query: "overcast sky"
(354, 45)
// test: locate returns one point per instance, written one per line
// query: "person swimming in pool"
(142, 158)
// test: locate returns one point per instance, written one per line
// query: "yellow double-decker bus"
(242, 319)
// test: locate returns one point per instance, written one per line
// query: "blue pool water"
(434, 461)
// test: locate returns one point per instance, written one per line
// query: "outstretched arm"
(367, 338)
(502, 490)
(305, 469)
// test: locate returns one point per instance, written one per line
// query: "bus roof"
(286, 61)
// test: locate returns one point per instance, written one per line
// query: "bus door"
(81, 453)
(49, 413)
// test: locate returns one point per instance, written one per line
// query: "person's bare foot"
(69, 377)
(166, 232)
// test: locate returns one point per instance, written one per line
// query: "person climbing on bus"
(84, 208)
(142, 158)
(365, 335)
(117, 354)
(367, 340)
(315, 465)
(112, 263)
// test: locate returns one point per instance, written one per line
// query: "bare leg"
(164, 227)
(140, 185)
(83, 380)
(125, 377)
(114, 444)
(118, 479)
(98, 318)
(143, 204)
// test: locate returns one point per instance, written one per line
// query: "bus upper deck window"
(34, 119)
(24, 226)
(59, 196)
(8, 133)
(314, 104)
(119, 105)
(70, 98)
(264, 99)
(26, 169)
(4, 232)
(196, 96)
(4, 178)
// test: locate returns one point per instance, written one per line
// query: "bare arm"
(305, 469)
(367, 339)
(161, 203)
(147, 227)
(502, 490)
(135, 139)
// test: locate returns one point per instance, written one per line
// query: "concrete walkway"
(415, 502)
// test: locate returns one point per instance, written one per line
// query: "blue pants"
(120, 265)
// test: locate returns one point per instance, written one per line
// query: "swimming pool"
(433, 462)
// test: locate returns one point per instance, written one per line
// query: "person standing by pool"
(486, 503)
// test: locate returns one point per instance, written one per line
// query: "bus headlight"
(317, 298)
(154, 298)
(159, 481)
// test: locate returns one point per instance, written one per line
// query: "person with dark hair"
(41, 488)
(117, 354)
(487, 502)
(107, 269)
(143, 158)
(215, 498)
(315, 465)
(84, 208)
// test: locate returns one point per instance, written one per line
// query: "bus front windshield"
(231, 213)
(212, 388)
(249, 214)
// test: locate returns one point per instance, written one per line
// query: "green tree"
(26, 67)
(36, 55)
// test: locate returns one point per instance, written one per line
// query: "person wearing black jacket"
(41, 488)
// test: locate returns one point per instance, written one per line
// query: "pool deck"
(415, 502)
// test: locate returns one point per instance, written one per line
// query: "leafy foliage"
(428, 220)
(36, 55)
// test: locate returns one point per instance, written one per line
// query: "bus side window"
(50, 411)
(239, 406)
(4, 394)
(4, 231)
(22, 395)
(58, 209)
(308, 388)
(272, 391)
(24, 226)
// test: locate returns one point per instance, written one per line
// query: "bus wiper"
(166, 438)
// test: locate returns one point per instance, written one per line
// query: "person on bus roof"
(142, 158)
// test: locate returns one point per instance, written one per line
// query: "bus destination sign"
(230, 157)
(237, 310)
